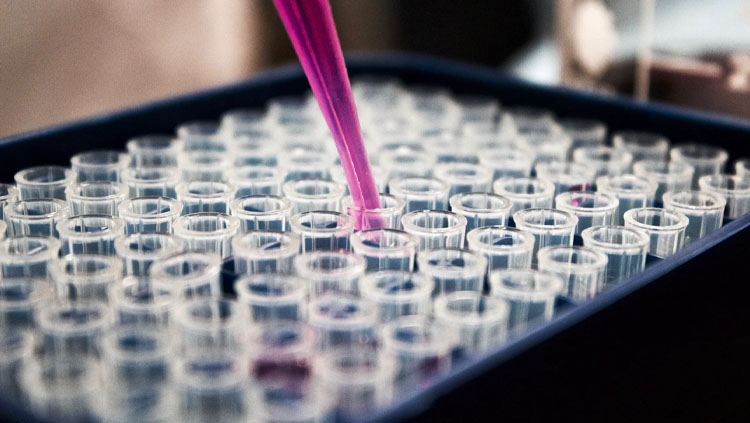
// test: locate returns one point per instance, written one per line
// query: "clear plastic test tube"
(734, 189)
(205, 196)
(44, 182)
(581, 269)
(481, 209)
(510, 161)
(281, 357)
(35, 217)
(342, 321)
(140, 250)
(273, 297)
(63, 389)
(435, 229)
(261, 212)
(420, 193)
(257, 180)
(420, 347)
(265, 252)
(566, 176)
(642, 145)
(135, 358)
(706, 159)
(209, 324)
(330, 271)
(149, 214)
(28, 256)
(322, 230)
(240, 120)
(96, 197)
(665, 228)
(71, 328)
(209, 233)
(20, 301)
(626, 249)
(99, 165)
(525, 193)
(606, 161)
(398, 293)
(549, 226)
(141, 301)
(670, 176)
(548, 144)
(453, 269)
(85, 277)
(704, 210)
(151, 181)
(204, 166)
(631, 191)
(584, 132)
(201, 136)
(254, 148)
(16, 350)
(313, 195)
(591, 208)
(401, 164)
(385, 249)
(503, 247)
(475, 321)
(301, 164)
(387, 216)
(529, 293)
(8, 194)
(464, 177)
(190, 274)
(154, 150)
(90, 234)
(742, 167)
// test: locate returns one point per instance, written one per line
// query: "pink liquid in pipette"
(310, 26)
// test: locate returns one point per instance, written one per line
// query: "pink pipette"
(310, 26)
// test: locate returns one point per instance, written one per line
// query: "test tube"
(503, 247)
(201, 136)
(257, 180)
(477, 322)
(281, 356)
(151, 181)
(149, 214)
(734, 189)
(85, 276)
(632, 192)
(642, 145)
(90, 234)
(385, 249)
(44, 182)
(530, 118)
(742, 167)
(529, 293)
(670, 176)
(140, 301)
(136, 358)
(331, 271)
(584, 132)
(464, 177)
(61, 389)
(342, 321)
(706, 159)
(420, 193)
(313, 195)
(264, 252)
(378, 174)
(626, 249)
(549, 226)
(443, 144)
(3, 229)
(453, 269)
(420, 347)
(525, 193)
(96, 197)
(8, 194)
(581, 269)
(16, 349)
(511, 161)
(591, 208)
(72, 328)
(435, 229)
(99, 165)
(20, 301)
(254, 149)
(301, 164)
(548, 144)
(35, 217)
(27, 256)
(407, 164)
(191, 274)
(606, 161)
(388, 215)
(273, 297)
(154, 150)
(209, 324)
(704, 210)
(209, 233)
(140, 250)
(205, 196)
(322, 230)
(398, 293)
(261, 212)
(481, 209)
(566, 176)
(665, 228)
(204, 166)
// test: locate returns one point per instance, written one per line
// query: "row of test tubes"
(224, 273)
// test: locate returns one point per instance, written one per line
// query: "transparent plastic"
(477, 322)
(665, 228)
(99, 165)
(204, 165)
(44, 182)
(385, 249)
(261, 212)
(86, 277)
(201, 196)
(464, 177)
(706, 159)
(342, 321)
(16, 350)
(136, 358)
(322, 230)
(435, 229)
(273, 297)
(549, 226)
(420, 193)
(141, 301)
(481, 209)
(154, 151)
(584, 132)
(670, 176)
(35, 217)
(548, 144)
(149, 214)
(265, 252)
(257, 180)
(401, 164)
(387, 216)
(626, 250)
(381, 178)
(330, 271)
(742, 167)
(567, 176)
(254, 148)
(61, 389)
(209, 324)
(73, 328)
(20, 301)
(152, 181)
(525, 193)
(421, 349)
(96, 197)
(398, 293)
(141, 250)
(301, 164)
(734, 189)
(314, 195)
(581, 269)
(201, 136)
(28, 256)
(704, 210)
(190, 274)
(508, 162)
(591, 208)
(281, 358)
(642, 145)
(503, 247)
(8, 194)
(90, 234)
(632, 192)
(209, 233)
(530, 294)
(453, 270)
(606, 161)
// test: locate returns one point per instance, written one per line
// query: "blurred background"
(63, 60)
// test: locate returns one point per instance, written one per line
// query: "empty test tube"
(90, 234)
(209, 324)
(567, 176)
(154, 150)
(136, 357)
(190, 274)
(240, 120)
(531, 118)
(261, 212)
(632, 192)
(734, 189)
(477, 322)
(20, 301)
(453, 270)
(642, 145)
(151, 181)
(581, 269)
(548, 144)
(201, 136)
(16, 350)
(149, 214)
(435, 229)
(407, 164)
(28, 256)
(96, 197)
(398, 293)
(204, 166)
(549, 226)
(99, 165)
(141, 301)
(444, 144)
(35, 217)
(385, 249)
(140, 250)
(421, 349)
(265, 252)
(254, 148)
(704, 210)
(529, 293)
(606, 161)
(331, 271)
(313, 195)
(61, 389)
(205, 196)
(322, 230)
(257, 180)
(670, 176)
(273, 297)
(509, 161)
(584, 132)
(626, 249)
(8, 194)
(481, 209)
(503, 247)
(525, 193)
(302, 164)
(72, 328)
(342, 321)
(705, 159)
(85, 276)
(742, 167)
(420, 193)
(464, 177)
(43, 182)
(665, 228)
(591, 208)
(209, 233)
(388, 215)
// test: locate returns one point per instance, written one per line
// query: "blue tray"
(670, 343)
